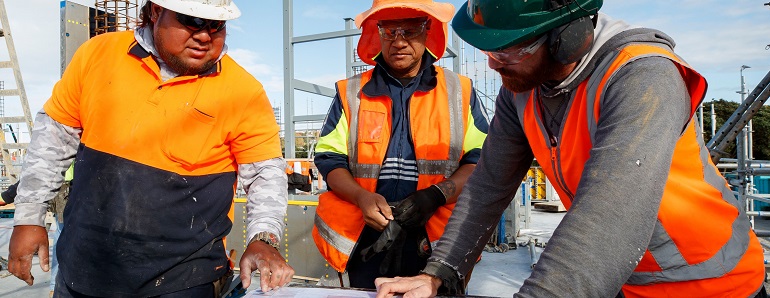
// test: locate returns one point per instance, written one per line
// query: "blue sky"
(715, 37)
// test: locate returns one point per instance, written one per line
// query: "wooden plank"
(551, 207)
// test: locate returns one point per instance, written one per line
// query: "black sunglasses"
(197, 24)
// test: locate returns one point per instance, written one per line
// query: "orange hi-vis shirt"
(191, 125)
(157, 166)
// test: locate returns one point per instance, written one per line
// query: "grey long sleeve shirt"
(595, 248)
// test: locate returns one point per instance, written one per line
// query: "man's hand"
(375, 209)
(416, 286)
(417, 208)
(25, 242)
(274, 272)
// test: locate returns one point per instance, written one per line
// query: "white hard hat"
(221, 10)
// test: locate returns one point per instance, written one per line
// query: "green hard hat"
(492, 25)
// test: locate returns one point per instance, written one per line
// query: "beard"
(177, 64)
(524, 80)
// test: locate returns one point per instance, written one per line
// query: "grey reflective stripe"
(592, 88)
(353, 97)
(456, 121)
(539, 120)
(520, 101)
(365, 170)
(666, 254)
(340, 243)
(675, 268)
(598, 75)
(436, 167)
(428, 167)
(711, 174)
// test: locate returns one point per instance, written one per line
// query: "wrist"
(266, 237)
(435, 281)
(439, 195)
(358, 194)
(444, 277)
(443, 193)
(448, 188)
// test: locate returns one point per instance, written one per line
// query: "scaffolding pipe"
(713, 119)
(758, 213)
(753, 161)
(532, 254)
(738, 120)
(758, 171)
(735, 165)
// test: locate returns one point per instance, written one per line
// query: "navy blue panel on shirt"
(398, 177)
(471, 157)
(328, 161)
(135, 230)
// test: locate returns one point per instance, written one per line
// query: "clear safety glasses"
(197, 24)
(517, 53)
(407, 32)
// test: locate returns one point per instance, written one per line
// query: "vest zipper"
(554, 143)
(556, 166)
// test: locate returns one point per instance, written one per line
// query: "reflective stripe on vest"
(330, 236)
(662, 247)
(666, 253)
(565, 169)
(424, 167)
(337, 245)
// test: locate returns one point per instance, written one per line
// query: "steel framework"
(115, 15)
(11, 150)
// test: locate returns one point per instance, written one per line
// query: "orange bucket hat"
(439, 13)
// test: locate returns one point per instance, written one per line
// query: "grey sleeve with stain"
(606, 231)
(51, 150)
(266, 188)
(505, 159)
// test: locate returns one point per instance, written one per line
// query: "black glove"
(9, 195)
(384, 242)
(418, 207)
(391, 240)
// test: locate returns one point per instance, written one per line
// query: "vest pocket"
(370, 125)
(187, 137)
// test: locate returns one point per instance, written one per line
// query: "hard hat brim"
(489, 39)
(369, 43)
(196, 9)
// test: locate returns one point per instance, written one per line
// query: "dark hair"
(145, 15)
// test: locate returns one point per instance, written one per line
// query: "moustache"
(505, 72)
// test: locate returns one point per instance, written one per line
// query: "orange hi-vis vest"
(714, 254)
(437, 120)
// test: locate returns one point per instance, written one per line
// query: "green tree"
(723, 110)
(761, 136)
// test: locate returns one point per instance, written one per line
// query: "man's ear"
(155, 11)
